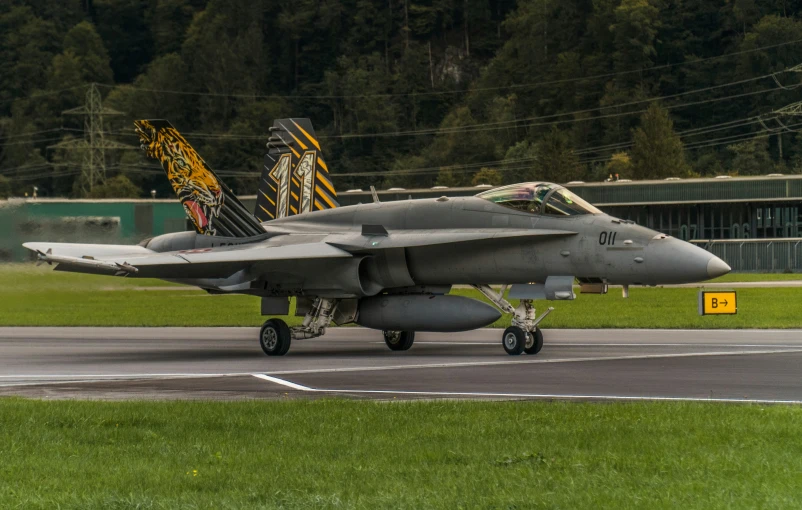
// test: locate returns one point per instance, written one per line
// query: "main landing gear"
(275, 336)
(399, 340)
(523, 335)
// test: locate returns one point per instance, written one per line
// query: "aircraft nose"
(670, 260)
(717, 267)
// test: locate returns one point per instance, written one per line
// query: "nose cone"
(670, 260)
(717, 267)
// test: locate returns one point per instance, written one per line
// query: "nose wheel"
(534, 342)
(514, 340)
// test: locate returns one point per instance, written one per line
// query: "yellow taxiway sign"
(718, 303)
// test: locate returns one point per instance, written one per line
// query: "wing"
(375, 237)
(220, 262)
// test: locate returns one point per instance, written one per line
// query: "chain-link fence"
(758, 255)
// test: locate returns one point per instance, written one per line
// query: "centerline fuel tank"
(424, 313)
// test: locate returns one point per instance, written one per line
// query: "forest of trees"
(410, 93)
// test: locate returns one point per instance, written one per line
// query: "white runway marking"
(530, 361)
(122, 376)
(629, 344)
(42, 379)
(283, 382)
(299, 387)
(67, 378)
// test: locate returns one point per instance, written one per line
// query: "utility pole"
(94, 144)
(790, 110)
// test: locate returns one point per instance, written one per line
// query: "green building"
(751, 222)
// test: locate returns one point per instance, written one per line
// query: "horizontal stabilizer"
(201, 263)
(88, 250)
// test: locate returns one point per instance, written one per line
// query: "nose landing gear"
(516, 341)
(523, 335)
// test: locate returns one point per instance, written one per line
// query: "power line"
(35, 177)
(464, 91)
(479, 127)
(20, 170)
(519, 123)
(33, 133)
(689, 133)
(43, 94)
(23, 142)
(744, 137)
(503, 164)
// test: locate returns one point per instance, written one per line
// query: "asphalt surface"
(227, 363)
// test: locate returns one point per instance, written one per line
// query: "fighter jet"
(387, 266)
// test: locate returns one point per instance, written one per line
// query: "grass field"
(38, 296)
(347, 454)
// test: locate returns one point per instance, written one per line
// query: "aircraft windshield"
(564, 203)
(526, 197)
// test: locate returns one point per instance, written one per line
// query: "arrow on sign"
(725, 302)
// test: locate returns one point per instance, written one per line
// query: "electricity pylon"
(94, 144)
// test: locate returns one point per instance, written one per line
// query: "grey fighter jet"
(386, 266)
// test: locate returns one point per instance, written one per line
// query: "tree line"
(409, 93)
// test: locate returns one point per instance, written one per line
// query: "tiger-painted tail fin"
(295, 178)
(209, 204)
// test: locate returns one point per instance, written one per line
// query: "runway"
(227, 363)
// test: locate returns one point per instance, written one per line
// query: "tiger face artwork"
(196, 186)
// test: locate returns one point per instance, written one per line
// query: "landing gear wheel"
(534, 342)
(399, 340)
(514, 340)
(275, 338)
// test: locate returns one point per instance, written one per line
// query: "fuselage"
(603, 248)
(592, 247)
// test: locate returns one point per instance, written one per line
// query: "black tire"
(275, 338)
(514, 340)
(399, 340)
(537, 342)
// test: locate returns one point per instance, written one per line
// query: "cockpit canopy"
(539, 198)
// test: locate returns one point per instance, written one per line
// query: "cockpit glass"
(564, 203)
(526, 197)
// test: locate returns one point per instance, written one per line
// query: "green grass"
(31, 296)
(757, 277)
(349, 454)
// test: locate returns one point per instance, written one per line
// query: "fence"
(780, 255)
